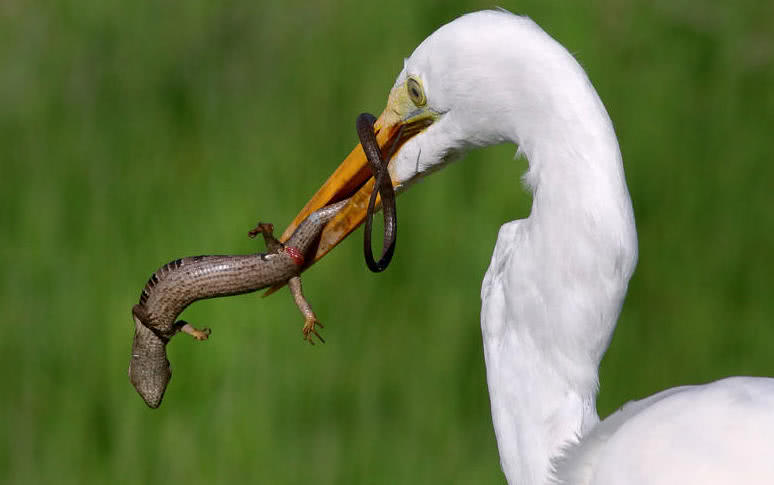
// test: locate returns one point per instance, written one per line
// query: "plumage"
(557, 279)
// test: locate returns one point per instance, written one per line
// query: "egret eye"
(415, 92)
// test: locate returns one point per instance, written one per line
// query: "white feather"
(718, 433)
(554, 289)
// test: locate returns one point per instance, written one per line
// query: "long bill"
(353, 180)
(402, 119)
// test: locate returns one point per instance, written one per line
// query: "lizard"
(183, 281)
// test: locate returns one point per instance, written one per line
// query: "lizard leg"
(310, 320)
(194, 332)
(267, 231)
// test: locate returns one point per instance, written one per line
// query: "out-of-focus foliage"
(133, 133)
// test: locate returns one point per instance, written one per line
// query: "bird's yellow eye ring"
(415, 92)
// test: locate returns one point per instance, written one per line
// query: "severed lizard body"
(179, 283)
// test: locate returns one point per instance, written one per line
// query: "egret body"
(557, 279)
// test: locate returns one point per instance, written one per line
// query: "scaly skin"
(181, 282)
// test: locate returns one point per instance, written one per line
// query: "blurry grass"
(132, 134)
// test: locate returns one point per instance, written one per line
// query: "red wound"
(295, 254)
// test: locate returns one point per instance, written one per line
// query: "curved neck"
(553, 292)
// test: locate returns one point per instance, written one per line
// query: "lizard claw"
(310, 330)
(261, 228)
(202, 334)
(194, 332)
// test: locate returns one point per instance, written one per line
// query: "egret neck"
(557, 280)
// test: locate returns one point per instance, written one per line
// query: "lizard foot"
(194, 332)
(261, 228)
(310, 331)
(267, 230)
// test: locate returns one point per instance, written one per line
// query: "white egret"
(557, 280)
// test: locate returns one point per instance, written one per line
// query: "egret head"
(466, 85)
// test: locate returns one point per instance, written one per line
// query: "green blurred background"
(135, 133)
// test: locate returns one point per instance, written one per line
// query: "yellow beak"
(352, 179)
(400, 121)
